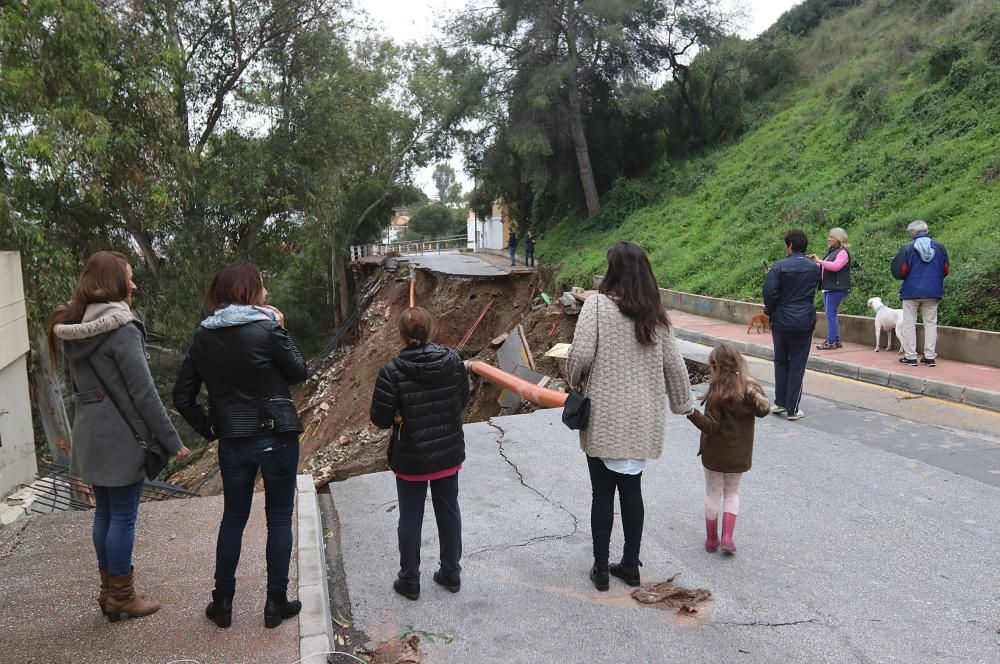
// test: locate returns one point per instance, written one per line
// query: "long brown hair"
(415, 326)
(104, 279)
(728, 381)
(239, 283)
(630, 281)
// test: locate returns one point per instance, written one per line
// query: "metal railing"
(410, 247)
(58, 491)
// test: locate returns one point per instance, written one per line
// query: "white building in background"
(488, 233)
(17, 440)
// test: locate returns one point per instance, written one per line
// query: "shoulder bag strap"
(111, 398)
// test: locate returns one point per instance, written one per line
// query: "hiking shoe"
(452, 583)
(908, 361)
(410, 589)
(776, 409)
(627, 573)
(599, 577)
(827, 345)
(928, 362)
(797, 415)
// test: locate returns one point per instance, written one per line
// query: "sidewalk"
(973, 384)
(48, 606)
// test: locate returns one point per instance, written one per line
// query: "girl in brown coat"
(732, 401)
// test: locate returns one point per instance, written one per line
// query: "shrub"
(944, 53)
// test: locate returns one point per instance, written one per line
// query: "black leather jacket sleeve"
(384, 400)
(185, 396)
(287, 356)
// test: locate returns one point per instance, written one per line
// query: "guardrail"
(410, 247)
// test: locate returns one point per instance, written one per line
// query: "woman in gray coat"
(624, 347)
(104, 345)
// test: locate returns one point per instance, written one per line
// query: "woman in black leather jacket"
(245, 357)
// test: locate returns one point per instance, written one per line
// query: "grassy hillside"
(896, 117)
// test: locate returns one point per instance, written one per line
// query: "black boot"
(278, 608)
(599, 577)
(452, 582)
(408, 588)
(220, 609)
(627, 573)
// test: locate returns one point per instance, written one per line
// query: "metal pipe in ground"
(543, 396)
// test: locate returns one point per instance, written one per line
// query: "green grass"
(911, 148)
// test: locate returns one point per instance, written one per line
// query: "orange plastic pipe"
(540, 395)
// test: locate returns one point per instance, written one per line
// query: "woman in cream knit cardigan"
(626, 357)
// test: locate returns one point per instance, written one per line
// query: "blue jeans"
(277, 457)
(412, 497)
(513, 252)
(831, 304)
(114, 526)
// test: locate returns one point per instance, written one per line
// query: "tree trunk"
(48, 398)
(335, 309)
(344, 295)
(576, 125)
(148, 252)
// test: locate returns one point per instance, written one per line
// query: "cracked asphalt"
(857, 546)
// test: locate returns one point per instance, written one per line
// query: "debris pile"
(667, 596)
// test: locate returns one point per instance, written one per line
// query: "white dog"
(886, 319)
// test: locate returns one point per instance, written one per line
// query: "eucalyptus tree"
(546, 65)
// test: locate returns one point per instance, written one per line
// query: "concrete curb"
(901, 381)
(315, 620)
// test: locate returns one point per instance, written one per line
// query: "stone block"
(941, 390)
(906, 382)
(838, 368)
(313, 649)
(873, 375)
(982, 398)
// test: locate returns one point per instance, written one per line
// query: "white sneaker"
(798, 415)
(777, 409)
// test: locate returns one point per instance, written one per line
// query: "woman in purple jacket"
(835, 282)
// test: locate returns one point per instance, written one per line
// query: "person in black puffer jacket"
(420, 395)
(245, 357)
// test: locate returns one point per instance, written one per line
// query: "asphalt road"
(867, 534)
(461, 264)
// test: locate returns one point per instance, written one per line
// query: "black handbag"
(576, 410)
(154, 462)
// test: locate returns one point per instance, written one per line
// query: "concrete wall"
(954, 343)
(488, 234)
(17, 442)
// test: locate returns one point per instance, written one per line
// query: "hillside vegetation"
(894, 115)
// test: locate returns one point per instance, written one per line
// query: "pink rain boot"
(712, 539)
(728, 525)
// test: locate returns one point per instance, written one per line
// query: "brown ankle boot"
(123, 599)
(102, 597)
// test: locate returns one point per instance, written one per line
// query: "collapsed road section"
(495, 318)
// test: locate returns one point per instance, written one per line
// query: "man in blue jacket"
(922, 264)
(789, 291)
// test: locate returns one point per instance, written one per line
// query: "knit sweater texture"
(626, 382)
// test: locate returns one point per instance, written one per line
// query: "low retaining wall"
(953, 343)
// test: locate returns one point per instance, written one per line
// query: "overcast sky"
(414, 20)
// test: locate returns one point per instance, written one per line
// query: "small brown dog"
(759, 322)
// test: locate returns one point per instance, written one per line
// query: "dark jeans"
(603, 483)
(791, 350)
(513, 253)
(114, 526)
(831, 305)
(444, 496)
(277, 457)
(529, 257)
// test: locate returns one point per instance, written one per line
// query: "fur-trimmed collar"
(99, 318)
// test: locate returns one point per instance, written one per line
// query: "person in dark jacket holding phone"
(247, 360)
(789, 290)
(420, 395)
(116, 405)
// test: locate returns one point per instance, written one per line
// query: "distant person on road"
(835, 281)
(529, 249)
(732, 402)
(922, 264)
(789, 289)
(512, 246)
(421, 394)
(625, 356)
(104, 344)
(247, 360)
